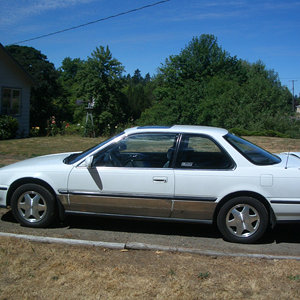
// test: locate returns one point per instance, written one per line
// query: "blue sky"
(250, 29)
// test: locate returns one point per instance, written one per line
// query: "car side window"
(139, 151)
(201, 152)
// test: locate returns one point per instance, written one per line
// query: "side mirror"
(88, 161)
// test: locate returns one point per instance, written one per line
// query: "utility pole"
(293, 101)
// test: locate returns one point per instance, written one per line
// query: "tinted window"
(139, 151)
(252, 152)
(200, 152)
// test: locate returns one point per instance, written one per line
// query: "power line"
(92, 22)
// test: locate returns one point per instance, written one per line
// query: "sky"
(252, 30)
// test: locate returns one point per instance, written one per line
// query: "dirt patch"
(38, 271)
(275, 145)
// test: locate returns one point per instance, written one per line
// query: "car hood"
(46, 162)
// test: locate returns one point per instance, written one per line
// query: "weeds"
(204, 275)
(294, 277)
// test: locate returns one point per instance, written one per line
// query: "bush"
(34, 131)
(8, 127)
(245, 132)
(73, 129)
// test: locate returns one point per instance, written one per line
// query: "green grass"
(294, 277)
(203, 275)
(18, 149)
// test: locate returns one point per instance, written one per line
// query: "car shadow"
(141, 226)
(282, 233)
(285, 233)
(8, 217)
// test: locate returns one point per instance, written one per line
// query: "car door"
(201, 171)
(130, 177)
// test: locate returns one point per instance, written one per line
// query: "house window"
(10, 101)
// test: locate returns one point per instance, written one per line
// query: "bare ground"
(43, 271)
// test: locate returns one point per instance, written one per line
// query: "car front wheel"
(243, 220)
(33, 205)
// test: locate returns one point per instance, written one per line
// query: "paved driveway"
(283, 240)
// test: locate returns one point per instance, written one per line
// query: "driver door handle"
(160, 179)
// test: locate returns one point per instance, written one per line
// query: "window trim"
(223, 150)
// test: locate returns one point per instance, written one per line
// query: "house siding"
(11, 76)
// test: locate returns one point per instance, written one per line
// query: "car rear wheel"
(33, 205)
(243, 220)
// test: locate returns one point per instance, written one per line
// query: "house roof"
(14, 61)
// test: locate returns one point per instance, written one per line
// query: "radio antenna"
(287, 160)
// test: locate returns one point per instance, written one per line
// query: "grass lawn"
(18, 149)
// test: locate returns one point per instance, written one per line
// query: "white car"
(177, 173)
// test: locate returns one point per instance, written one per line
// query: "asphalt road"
(283, 240)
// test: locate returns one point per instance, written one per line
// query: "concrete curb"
(42, 239)
(141, 246)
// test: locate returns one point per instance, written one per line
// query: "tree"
(100, 80)
(181, 81)
(45, 88)
(65, 104)
(204, 85)
(139, 92)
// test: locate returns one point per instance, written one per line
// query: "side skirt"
(120, 216)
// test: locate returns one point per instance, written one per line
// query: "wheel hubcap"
(32, 206)
(242, 220)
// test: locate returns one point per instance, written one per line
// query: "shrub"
(8, 127)
(245, 132)
(34, 131)
(73, 129)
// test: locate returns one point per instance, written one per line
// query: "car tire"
(33, 206)
(243, 220)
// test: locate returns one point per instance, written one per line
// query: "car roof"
(179, 129)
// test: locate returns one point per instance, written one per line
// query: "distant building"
(15, 85)
(298, 109)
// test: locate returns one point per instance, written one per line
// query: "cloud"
(205, 15)
(15, 11)
(221, 9)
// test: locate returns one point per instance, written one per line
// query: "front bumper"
(3, 195)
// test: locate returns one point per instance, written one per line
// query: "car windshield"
(75, 157)
(252, 152)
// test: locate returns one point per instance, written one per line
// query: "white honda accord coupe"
(176, 173)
